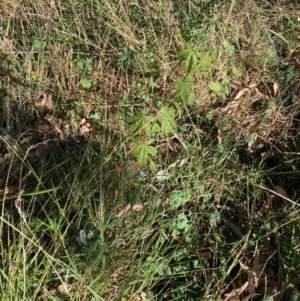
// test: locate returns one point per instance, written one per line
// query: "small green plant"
(86, 83)
(143, 151)
(193, 60)
(165, 177)
(184, 91)
(162, 124)
(219, 89)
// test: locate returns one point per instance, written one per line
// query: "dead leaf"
(57, 130)
(281, 191)
(219, 136)
(26, 140)
(123, 211)
(175, 236)
(260, 94)
(254, 275)
(138, 207)
(45, 101)
(66, 130)
(63, 288)
(144, 296)
(256, 122)
(52, 4)
(82, 122)
(42, 125)
(245, 92)
(275, 88)
(85, 129)
(18, 205)
(252, 86)
(234, 295)
(243, 266)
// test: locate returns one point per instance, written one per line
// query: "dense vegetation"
(149, 150)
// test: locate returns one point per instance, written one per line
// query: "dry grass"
(224, 225)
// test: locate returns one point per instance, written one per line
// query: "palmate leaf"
(183, 90)
(216, 88)
(190, 56)
(140, 121)
(165, 122)
(204, 63)
(143, 150)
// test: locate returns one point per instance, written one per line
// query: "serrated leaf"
(204, 63)
(86, 83)
(216, 87)
(190, 56)
(39, 44)
(183, 90)
(140, 121)
(142, 150)
(152, 167)
(182, 221)
(165, 122)
(209, 115)
(214, 217)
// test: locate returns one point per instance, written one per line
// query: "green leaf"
(134, 196)
(86, 83)
(229, 48)
(143, 150)
(233, 227)
(219, 89)
(113, 223)
(216, 88)
(96, 116)
(209, 115)
(183, 90)
(74, 104)
(179, 198)
(140, 121)
(204, 63)
(165, 122)
(152, 166)
(190, 56)
(39, 44)
(117, 243)
(214, 217)
(237, 72)
(249, 137)
(182, 221)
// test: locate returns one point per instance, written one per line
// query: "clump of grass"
(165, 141)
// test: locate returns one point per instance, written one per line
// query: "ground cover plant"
(149, 150)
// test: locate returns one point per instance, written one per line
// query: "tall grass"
(149, 150)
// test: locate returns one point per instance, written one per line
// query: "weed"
(149, 151)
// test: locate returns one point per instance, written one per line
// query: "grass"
(162, 136)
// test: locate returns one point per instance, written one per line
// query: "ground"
(149, 150)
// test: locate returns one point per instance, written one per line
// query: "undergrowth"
(149, 150)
